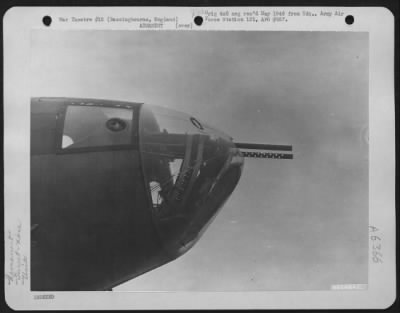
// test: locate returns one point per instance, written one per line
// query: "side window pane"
(94, 126)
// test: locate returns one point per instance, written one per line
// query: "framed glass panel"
(96, 126)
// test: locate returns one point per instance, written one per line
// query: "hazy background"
(290, 224)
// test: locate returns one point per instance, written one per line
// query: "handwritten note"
(16, 269)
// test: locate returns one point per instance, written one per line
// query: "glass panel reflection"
(94, 126)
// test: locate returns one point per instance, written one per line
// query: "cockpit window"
(95, 126)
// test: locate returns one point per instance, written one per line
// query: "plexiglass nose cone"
(190, 170)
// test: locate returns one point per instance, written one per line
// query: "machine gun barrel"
(267, 155)
(264, 155)
(258, 146)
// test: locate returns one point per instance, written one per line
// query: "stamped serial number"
(43, 297)
(375, 238)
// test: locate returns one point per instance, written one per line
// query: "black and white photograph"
(242, 155)
(199, 160)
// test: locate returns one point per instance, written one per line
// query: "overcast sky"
(290, 224)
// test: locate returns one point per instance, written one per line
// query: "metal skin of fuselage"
(94, 224)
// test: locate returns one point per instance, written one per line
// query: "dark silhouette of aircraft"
(121, 188)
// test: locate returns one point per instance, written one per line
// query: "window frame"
(134, 138)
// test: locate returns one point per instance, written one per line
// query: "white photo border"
(18, 23)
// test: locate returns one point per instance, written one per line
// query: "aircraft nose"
(190, 170)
